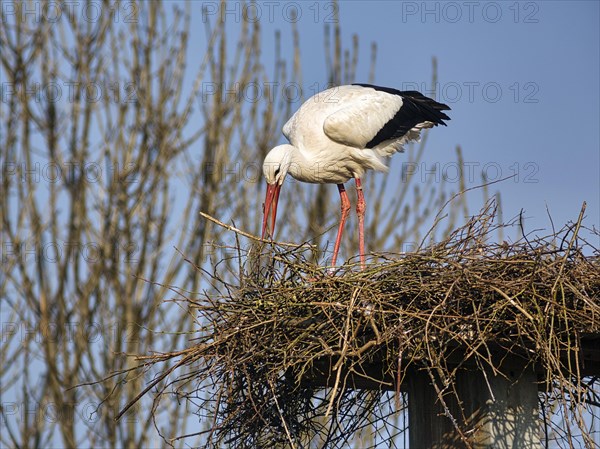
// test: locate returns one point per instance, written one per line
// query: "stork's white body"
(344, 131)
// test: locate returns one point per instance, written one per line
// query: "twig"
(571, 242)
(287, 431)
(254, 237)
(439, 216)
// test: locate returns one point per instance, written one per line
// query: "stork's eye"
(277, 171)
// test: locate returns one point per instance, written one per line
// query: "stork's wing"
(362, 114)
(378, 114)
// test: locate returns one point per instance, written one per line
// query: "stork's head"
(275, 168)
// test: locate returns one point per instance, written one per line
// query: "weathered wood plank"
(497, 413)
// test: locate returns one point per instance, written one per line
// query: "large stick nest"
(266, 346)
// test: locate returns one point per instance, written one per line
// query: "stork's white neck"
(300, 166)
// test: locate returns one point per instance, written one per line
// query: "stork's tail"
(427, 109)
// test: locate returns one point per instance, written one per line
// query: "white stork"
(340, 133)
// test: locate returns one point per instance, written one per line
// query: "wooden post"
(499, 413)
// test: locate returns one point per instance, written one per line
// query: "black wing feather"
(416, 108)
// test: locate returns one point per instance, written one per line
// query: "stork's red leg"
(345, 211)
(360, 211)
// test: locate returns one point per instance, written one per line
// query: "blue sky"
(522, 79)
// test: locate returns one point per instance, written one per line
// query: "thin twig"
(254, 237)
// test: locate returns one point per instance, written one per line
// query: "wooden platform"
(491, 411)
(377, 375)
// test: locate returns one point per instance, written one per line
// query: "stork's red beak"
(270, 202)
